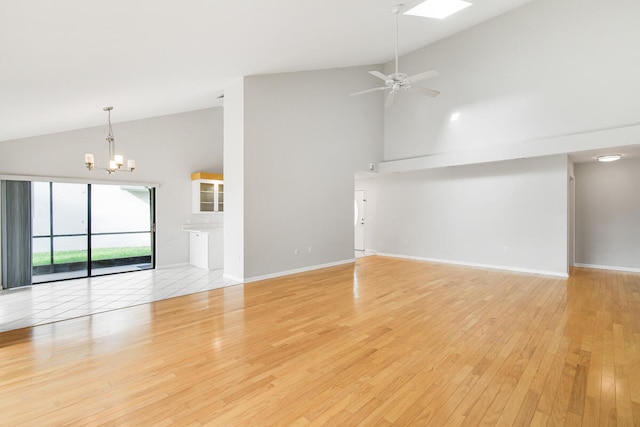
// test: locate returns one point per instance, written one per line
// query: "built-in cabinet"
(207, 192)
(206, 232)
(206, 245)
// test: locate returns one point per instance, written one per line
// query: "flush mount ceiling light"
(115, 160)
(609, 158)
(438, 9)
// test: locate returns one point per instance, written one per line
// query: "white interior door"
(358, 220)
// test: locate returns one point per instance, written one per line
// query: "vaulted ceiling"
(62, 61)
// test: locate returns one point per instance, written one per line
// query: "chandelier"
(116, 161)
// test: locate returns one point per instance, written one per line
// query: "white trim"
(75, 180)
(2, 284)
(546, 146)
(608, 267)
(479, 265)
(233, 279)
(180, 264)
(289, 272)
(232, 283)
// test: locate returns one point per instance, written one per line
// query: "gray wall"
(608, 214)
(304, 137)
(548, 68)
(508, 215)
(525, 85)
(564, 69)
(167, 150)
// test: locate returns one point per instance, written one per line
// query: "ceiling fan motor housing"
(396, 81)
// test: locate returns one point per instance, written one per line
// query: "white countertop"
(201, 228)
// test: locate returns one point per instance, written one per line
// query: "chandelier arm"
(116, 161)
(110, 139)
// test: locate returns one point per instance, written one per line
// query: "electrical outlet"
(309, 249)
(296, 251)
(506, 249)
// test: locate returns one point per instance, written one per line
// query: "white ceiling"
(62, 61)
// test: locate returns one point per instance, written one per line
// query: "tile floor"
(53, 302)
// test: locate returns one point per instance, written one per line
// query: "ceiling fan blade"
(424, 91)
(379, 75)
(391, 99)
(368, 90)
(423, 76)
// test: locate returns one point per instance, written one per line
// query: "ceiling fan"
(400, 81)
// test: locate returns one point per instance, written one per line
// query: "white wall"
(549, 68)
(470, 214)
(167, 150)
(608, 214)
(234, 181)
(304, 137)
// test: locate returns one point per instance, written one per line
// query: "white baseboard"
(295, 271)
(479, 265)
(608, 267)
(180, 264)
(232, 278)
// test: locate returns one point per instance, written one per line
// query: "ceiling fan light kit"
(397, 81)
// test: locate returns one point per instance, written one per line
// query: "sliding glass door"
(82, 230)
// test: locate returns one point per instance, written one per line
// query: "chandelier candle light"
(115, 160)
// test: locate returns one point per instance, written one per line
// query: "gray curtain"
(15, 216)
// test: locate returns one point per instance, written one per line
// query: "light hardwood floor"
(381, 342)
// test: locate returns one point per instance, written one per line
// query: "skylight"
(438, 9)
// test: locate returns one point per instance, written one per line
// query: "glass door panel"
(220, 197)
(60, 243)
(42, 243)
(121, 229)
